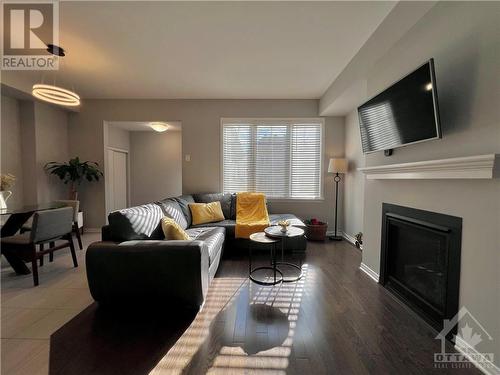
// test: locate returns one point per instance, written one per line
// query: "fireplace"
(420, 260)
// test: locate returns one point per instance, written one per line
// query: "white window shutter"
(279, 158)
(305, 172)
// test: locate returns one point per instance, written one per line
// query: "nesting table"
(272, 235)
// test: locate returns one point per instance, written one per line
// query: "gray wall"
(51, 130)
(118, 138)
(200, 138)
(354, 180)
(28, 147)
(155, 166)
(463, 39)
(33, 134)
(10, 134)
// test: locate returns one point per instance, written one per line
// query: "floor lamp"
(337, 166)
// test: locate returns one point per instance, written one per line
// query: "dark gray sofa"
(133, 260)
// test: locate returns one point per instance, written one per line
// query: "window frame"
(276, 121)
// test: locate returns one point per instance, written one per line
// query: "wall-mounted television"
(404, 113)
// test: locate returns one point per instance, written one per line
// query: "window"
(278, 157)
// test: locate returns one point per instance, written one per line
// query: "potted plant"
(74, 172)
(6, 182)
(315, 229)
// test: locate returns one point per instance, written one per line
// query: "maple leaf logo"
(468, 337)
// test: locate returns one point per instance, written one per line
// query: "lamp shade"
(337, 165)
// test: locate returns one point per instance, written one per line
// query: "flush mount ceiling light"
(159, 126)
(52, 93)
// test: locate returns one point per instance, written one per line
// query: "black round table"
(261, 237)
(275, 232)
(272, 235)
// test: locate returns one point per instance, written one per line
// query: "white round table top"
(275, 231)
(262, 238)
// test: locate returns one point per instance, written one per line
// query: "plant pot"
(316, 232)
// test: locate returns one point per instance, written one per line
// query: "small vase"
(4, 196)
(284, 228)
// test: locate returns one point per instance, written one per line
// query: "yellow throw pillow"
(172, 230)
(206, 212)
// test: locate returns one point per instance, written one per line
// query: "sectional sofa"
(134, 261)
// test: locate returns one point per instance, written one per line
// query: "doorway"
(118, 177)
(141, 164)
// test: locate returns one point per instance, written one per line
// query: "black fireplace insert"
(420, 260)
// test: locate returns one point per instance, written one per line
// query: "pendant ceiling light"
(54, 94)
(159, 126)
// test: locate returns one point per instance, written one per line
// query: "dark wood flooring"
(336, 320)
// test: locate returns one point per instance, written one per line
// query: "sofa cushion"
(173, 210)
(213, 238)
(172, 230)
(228, 225)
(203, 213)
(225, 200)
(233, 206)
(294, 220)
(184, 201)
(137, 223)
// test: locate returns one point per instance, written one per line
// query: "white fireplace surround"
(468, 167)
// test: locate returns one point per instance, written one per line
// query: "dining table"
(17, 216)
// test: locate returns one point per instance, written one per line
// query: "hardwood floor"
(336, 320)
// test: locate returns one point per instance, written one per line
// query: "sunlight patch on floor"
(220, 293)
(272, 312)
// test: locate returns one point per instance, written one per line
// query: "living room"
(358, 255)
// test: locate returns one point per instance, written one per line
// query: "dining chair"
(76, 208)
(48, 227)
(75, 204)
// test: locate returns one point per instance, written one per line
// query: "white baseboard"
(486, 367)
(363, 267)
(350, 239)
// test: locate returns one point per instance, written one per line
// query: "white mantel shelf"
(469, 167)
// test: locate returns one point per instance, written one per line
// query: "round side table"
(261, 237)
(274, 232)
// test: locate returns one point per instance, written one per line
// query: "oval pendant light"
(54, 94)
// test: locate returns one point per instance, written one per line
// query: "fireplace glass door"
(417, 261)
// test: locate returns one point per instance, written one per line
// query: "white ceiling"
(263, 50)
(143, 126)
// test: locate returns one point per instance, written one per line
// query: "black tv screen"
(404, 113)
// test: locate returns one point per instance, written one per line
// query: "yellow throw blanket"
(251, 214)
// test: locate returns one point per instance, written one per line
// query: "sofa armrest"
(162, 272)
(106, 234)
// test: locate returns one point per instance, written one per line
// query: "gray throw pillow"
(184, 201)
(136, 223)
(172, 209)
